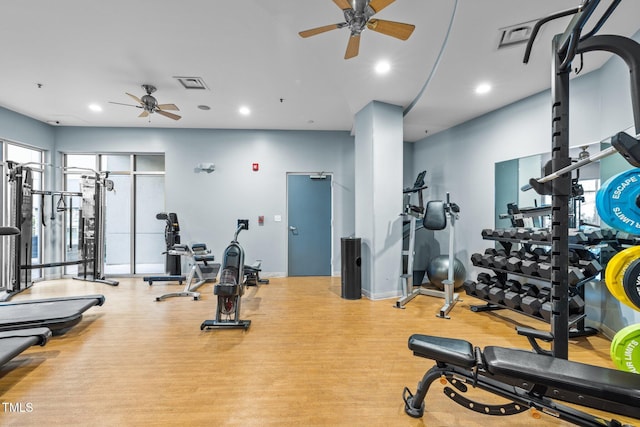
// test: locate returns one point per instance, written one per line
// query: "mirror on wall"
(512, 175)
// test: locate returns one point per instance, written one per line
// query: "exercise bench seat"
(602, 383)
(528, 379)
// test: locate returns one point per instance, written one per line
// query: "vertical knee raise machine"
(435, 218)
(230, 288)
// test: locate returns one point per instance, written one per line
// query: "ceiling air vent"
(515, 34)
(191, 82)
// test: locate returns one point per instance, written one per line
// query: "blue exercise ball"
(438, 270)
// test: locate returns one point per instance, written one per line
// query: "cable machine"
(93, 188)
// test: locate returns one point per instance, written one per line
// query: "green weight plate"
(631, 283)
(625, 349)
(617, 201)
(614, 273)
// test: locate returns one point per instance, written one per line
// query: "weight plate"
(631, 283)
(617, 201)
(625, 349)
(614, 273)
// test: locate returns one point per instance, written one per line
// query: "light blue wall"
(461, 160)
(208, 205)
(24, 130)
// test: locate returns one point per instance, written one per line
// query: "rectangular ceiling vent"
(191, 82)
(515, 34)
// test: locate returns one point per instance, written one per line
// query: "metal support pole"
(561, 191)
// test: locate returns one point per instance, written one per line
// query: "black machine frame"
(565, 47)
(94, 184)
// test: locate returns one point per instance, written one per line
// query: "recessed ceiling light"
(383, 67)
(245, 111)
(204, 107)
(483, 88)
(95, 108)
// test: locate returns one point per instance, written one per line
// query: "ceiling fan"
(357, 15)
(150, 105)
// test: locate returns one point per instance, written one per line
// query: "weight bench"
(200, 257)
(252, 275)
(529, 380)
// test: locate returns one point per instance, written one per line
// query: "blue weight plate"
(617, 201)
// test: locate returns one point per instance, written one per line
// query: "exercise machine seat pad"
(448, 350)
(435, 217)
(609, 384)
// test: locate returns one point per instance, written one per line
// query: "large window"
(134, 239)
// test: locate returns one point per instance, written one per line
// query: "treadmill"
(12, 343)
(56, 314)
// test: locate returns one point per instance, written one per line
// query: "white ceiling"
(249, 53)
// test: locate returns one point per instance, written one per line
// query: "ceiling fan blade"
(128, 105)
(378, 5)
(314, 31)
(171, 107)
(145, 113)
(353, 47)
(138, 100)
(398, 30)
(343, 4)
(170, 115)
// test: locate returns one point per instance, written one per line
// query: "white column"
(378, 198)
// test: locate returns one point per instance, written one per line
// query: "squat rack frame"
(565, 47)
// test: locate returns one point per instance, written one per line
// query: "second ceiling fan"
(358, 16)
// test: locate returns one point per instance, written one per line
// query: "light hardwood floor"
(310, 358)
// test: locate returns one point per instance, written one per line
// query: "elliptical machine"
(230, 288)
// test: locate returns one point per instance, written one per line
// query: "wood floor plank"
(309, 358)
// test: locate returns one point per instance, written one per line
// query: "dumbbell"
(512, 296)
(578, 238)
(500, 262)
(470, 287)
(476, 259)
(532, 302)
(544, 270)
(530, 268)
(485, 280)
(575, 275)
(594, 237)
(608, 233)
(590, 268)
(487, 232)
(576, 304)
(513, 264)
(541, 254)
(523, 234)
(541, 235)
(625, 238)
(496, 293)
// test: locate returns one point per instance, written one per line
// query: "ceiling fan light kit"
(358, 17)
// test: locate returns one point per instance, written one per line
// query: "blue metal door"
(309, 227)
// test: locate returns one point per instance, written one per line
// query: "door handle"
(294, 230)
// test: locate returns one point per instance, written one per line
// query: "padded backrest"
(434, 217)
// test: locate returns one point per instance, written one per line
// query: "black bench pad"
(604, 383)
(448, 350)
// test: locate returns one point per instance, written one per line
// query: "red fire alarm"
(256, 167)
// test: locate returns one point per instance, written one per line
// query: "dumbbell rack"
(575, 320)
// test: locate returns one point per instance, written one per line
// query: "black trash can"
(351, 267)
